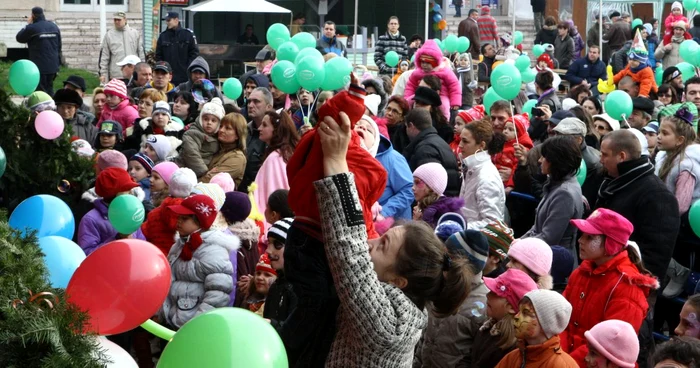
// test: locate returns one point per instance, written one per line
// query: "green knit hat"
(499, 237)
(670, 110)
(37, 98)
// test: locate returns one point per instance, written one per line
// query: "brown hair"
(153, 94)
(682, 129)
(237, 122)
(434, 278)
(694, 301)
(403, 104)
(586, 118)
(636, 259)
(482, 131)
(434, 82)
(563, 25)
(550, 21)
(574, 92)
(284, 137)
(506, 330)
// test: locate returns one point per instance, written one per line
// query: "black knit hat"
(67, 97)
(279, 229)
(236, 207)
(427, 96)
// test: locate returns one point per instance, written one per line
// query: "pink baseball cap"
(512, 285)
(615, 227)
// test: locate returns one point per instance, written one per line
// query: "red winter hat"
(112, 181)
(200, 205)
(476, 113)
(615, 227)
(547, 59)
(430, 60)
(522, 123)
(264, 265)
(117, 88)
(351, 102)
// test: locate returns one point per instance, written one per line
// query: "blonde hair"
(153, 94)
(238, 123)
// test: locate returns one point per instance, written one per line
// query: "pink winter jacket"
(271, 177)
(125, 114)
(451, 91)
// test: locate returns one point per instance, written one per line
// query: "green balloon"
(636, 22)
(310, 73)
(284, 77)
(527, 107)
(688, 49)
(537, 50)
(689, 4)
(506, 81)
(24, 77)
(288, 51)
(225, 337)
(687, 70)
(581, 173)
(337, 74)
(391, 58)
(232, 88)
(463, 44)
(3, 162)
(528, 75)
(522, 63)
(308, 52)
(126, 213)
(489, 98)
(618, 104)
(277, 34)
(659, 75)
(517, 38)
(451, 43)
(697, 6)
(439, 44)
(304, 40)
(694, 217)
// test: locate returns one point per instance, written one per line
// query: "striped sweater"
(388, 43)
(488, 31)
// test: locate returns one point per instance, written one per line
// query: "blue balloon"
(46, 214)
(62, 258)
(437, 17)
(436, 8)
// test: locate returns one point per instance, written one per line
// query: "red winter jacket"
(614, 290)
(306, 164)
(506, 158)
(161, 225)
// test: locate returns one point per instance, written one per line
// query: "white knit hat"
(568, 103)
(182, 182)
(214, 107)
(375, 131)
(372, 103)
(552, 309)
(161, 145)
(161, 106)
(433, 175)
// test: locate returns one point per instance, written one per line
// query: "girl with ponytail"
(482, 189)
(384, 285)
(610, 283)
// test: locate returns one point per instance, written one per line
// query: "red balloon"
(120, 285)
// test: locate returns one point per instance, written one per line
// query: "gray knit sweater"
(378, 325)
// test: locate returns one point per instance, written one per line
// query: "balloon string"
(514, 127)
(625, 120)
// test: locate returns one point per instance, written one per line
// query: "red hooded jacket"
(613, 290)
(507, 157)
(306, 164)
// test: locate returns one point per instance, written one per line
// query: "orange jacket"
(546, 355)
(644, 77)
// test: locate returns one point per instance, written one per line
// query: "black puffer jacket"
(427, 147)
(280, 301)
(178, 47)
(44, 41)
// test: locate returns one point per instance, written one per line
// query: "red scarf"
(191, 245)
(157, 130)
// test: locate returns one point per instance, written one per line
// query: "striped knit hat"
(473, 245)
(144, 160)
(476, 113)
(279, 229)
(499, 237)
(116, 87)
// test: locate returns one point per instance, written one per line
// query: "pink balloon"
(49, 124)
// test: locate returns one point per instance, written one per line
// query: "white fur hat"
(182, 182)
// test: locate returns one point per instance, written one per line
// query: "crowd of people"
(398, 221)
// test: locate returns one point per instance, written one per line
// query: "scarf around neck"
(637, 169)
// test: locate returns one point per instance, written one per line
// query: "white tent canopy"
(242, 6)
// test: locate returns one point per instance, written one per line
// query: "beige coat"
(115, 47)
(668, 58)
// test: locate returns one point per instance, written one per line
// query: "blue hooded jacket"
(398, 195)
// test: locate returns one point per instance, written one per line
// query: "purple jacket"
(444, 204)
(95, 229)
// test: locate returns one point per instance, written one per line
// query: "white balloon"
(120, 358)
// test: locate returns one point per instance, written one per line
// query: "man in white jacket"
(117, 44)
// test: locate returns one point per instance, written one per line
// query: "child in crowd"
(160, 181)
(515, 131)
(214, 192)
(429, 183)
(496, 337)
(225, 181)
(303, 115)
(281, 299)
(638, 68)
(198, 254)
(95, 230)
(430, 59)
(463, 118)
(161, 225)
(612, 344)
(157, 148)
(277, 206)
(533, 256)
(265, 275)
(465, 74)
(403, 66)
(544, 62)
(675, 16)
(500, 237)
(118, 106)
(542, 317)
(236, 210)
(610, 283)
(200, 143)
(109, 137)
(690, 318)
(651, 132)
(160, 122)
(82, 147)
(140, 167)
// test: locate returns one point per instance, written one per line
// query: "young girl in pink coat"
(430, 61)
(118, 107)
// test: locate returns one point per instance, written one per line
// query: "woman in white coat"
(482, 188)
